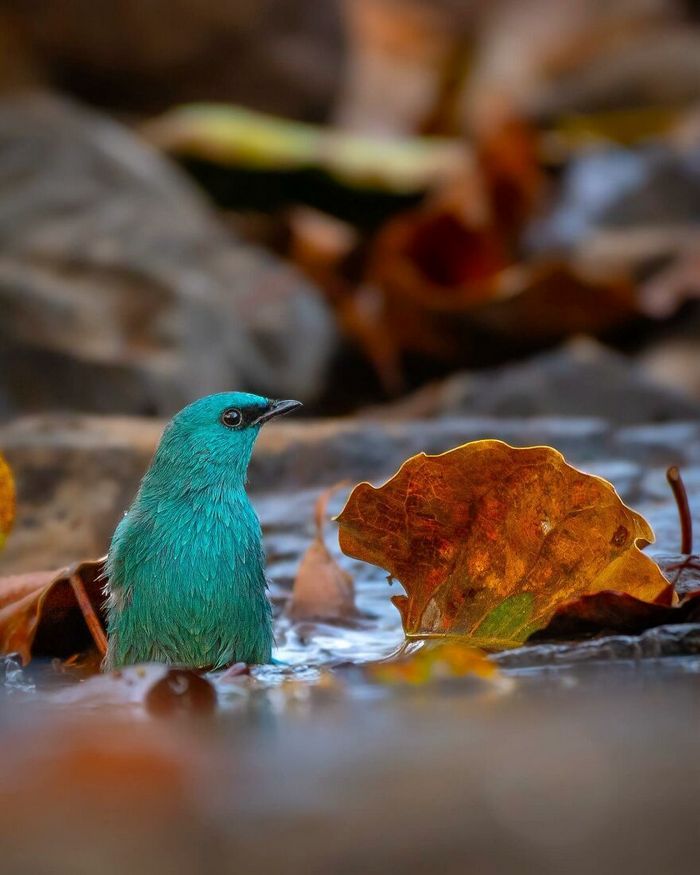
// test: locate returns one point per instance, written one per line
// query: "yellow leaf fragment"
(436, 663)
(7, 500)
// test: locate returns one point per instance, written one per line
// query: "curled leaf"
(619, 613)
(7, 500)
(53, 613)
(488, 540)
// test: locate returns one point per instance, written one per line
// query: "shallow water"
(573, 768)
(306, 650)
(561, 765)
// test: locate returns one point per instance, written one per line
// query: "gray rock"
(682, 639)
(582, 378)
(683, 571)
(609, 188)
(118, 289)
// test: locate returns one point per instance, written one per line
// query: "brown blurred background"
(487, 207)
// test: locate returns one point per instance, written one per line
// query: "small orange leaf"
(322, 588)
(7, 500)
(488, 540)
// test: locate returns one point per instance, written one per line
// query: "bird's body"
(186, 563)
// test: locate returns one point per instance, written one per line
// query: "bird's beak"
(277, 408)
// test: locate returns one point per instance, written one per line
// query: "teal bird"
(186, 578)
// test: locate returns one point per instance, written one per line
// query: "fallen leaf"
(547, 301)
(615, 612)
(436, 663)
(238, 137)
(322, 589)
(53, 613)
(508, 155)
(444, 255)
(7, 500)
(447, 284)
(443, 117)
(489, 540)
(331, 254)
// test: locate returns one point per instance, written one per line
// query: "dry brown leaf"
(548, 301)
(617, 613)
(445, 255)
(489, 540)
(446, 274)
(322, 589)
(508, 157)
(53, 613)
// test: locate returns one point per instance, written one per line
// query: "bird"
(185, 568)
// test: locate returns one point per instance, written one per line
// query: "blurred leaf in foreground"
(53, 613)
(489, 540)
(7, 500)
(441, 662)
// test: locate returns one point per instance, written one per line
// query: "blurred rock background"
(121, 290)
(435, 195)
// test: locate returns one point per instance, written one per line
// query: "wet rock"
(674, 360)
(163, 690)
(682, 570)
(679, 640)
(674, 441)
(118, 289)
(682, 639)
(282, 56)
(582, 378)
(608, 648)
(621, 188)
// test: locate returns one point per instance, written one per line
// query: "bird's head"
(216, 434)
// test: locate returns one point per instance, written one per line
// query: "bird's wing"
(116, 586)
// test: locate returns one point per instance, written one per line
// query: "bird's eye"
(232, 418)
